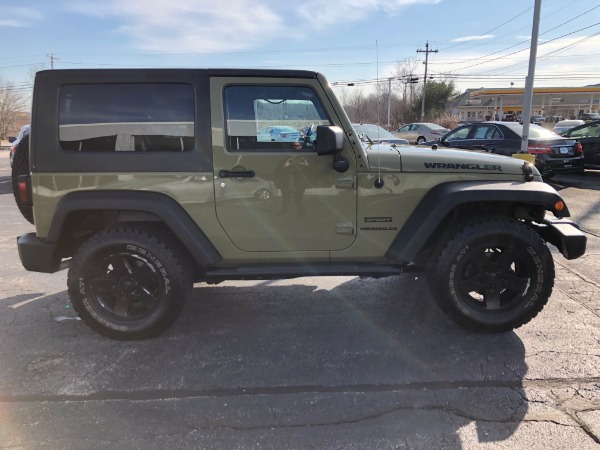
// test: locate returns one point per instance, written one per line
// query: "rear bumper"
(37, 255)
(564, 235)
(555, 165)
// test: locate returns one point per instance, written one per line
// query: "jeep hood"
(424, 159)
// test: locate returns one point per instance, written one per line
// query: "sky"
(479, 43)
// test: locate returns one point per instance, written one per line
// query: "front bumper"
(564, 235)
(37, 255)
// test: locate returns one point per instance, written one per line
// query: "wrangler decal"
(467, 166)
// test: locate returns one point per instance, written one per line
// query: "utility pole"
(527, 100)
(408, 79)
(52, 59)
(412, 80)
(389, 101)
(427, 52)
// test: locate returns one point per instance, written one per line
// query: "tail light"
(437, 133)
(579, 149)
(536, 149)
(24, 189)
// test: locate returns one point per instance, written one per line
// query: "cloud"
(334, 11)
(190, 26)
(473, 38)
(17, 17)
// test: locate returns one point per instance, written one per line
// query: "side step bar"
(281, 271)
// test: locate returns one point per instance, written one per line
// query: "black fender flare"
(163, 207)
(443, 198)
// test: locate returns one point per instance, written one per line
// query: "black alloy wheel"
(129, 283)
(125, 285)
(496, 274)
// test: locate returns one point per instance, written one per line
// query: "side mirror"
(330, 140)
(12, 139)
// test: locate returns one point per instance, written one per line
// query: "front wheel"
(495, 275)
(129, 283)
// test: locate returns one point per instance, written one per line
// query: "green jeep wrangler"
(143, 182)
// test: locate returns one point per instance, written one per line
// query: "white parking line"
(31, 300)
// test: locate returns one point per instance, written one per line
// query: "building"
(491, 104)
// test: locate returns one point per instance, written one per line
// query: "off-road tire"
(494, 275)
(129, 283)
(21, 167)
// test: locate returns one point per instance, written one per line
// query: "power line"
(519, 51)
(527, 40)
(490, 31)
(487, 43)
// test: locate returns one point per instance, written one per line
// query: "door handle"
(236, 173)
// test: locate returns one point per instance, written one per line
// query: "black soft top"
(231, 72)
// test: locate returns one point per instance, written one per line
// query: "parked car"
(419, 133)
(589, 136)
(538, 119)
(508, 117)
(589, 117)
(278, 134)
(376, 134)
(13, 148)
(565, 125)
(553, 153)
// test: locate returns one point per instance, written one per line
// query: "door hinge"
(345, 183)
(345, 228)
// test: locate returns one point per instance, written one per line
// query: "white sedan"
(419, 133)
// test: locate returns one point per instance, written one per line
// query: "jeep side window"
(136, 117)
(272, 118)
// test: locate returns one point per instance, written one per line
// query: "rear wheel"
(495, 275)
(127, 283)
(421, 140)
(21, 167)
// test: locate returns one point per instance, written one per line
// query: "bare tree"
(355, 107)
(13, 106)
(32, 70)
(405, 70)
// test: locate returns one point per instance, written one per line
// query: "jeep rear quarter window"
(271, 118)
(149, 117)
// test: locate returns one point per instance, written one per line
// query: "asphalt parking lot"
(337, 362)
